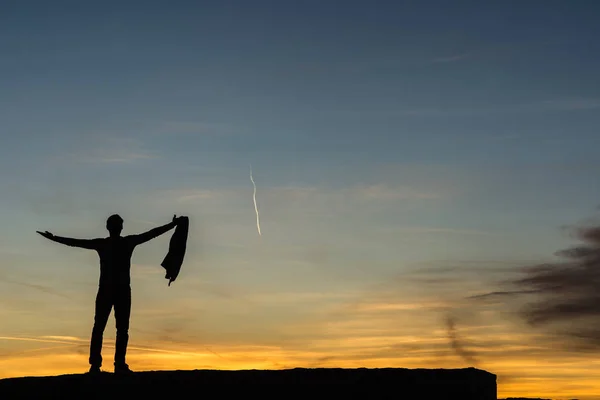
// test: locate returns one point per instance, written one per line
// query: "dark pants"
(107, 297)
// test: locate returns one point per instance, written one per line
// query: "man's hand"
(46, 234)
(176, 219)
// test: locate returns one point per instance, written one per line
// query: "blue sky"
(383, 136)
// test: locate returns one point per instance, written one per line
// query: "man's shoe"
(94, 370)
(122, 369)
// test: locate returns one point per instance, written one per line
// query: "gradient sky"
(388, 139)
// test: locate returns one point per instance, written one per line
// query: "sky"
(406, 155)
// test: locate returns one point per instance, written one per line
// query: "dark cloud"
(567, 292)
(458, 345)
(501, 294)
(560, 299)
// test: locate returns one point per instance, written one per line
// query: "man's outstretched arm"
(152, 233)
(91, 244)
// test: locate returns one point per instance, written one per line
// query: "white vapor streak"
(37, 340)
(108, 344)
(255, 206)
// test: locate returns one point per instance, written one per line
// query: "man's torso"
(115, 261)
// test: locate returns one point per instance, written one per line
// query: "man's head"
(114, 224)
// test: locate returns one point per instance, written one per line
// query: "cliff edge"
(424, 384)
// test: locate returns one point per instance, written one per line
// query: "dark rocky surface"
(423, 384)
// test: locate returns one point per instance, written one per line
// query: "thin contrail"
(109, 344)
(255, 206)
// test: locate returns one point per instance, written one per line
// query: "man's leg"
(122, 313)
(104, 304)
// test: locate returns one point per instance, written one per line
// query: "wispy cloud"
(119, 158)
(439, 230)
(192, 195)
(287, 203)
(110, 149)
(458, 343)
(141, 270)
(565, 105)
(387, 192)
(571, 104)
(295, 297)
(194, 127)
(67, 338)
(399, 306)
(558, 299)
(38, 287)
(567, 299)
(75, 341)
(361, 192)
(450, 59)
(43, 339)
(492, 295)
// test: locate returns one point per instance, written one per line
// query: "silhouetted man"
(114, 289)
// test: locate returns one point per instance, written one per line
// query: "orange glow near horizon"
(520, 377)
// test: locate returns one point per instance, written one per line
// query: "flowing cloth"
(174, 259)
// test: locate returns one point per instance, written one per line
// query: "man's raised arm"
(152, 233)
(91, 244)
